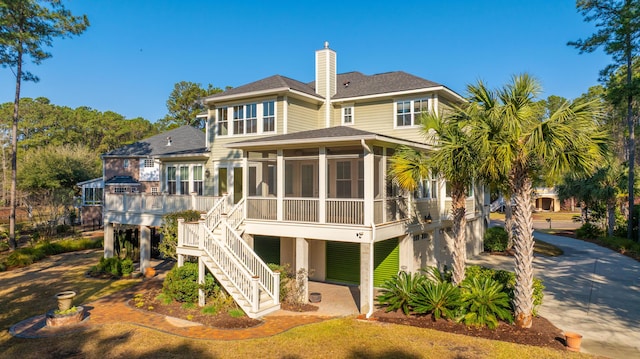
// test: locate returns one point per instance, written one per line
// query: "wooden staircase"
(217, 241)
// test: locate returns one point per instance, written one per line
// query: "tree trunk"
(632, 136)
(13, 243)
(611, 217)
(458, 210)
(508, 222)
(523, 246)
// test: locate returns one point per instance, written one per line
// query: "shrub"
(181, 283)
(286, 280)
(438, 299)
(127, 266)
(25, 256)
(436, 276)
(398, 291)
(495, 239)
(508, 281)
(111, 266)
(589, 231)
(484, 302)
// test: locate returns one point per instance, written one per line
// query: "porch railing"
(156, 204)
(262, 208)
(345, 211)
(300, 209)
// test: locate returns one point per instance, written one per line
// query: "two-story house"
(299, 175)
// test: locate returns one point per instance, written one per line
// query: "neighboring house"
(296, 173)
(91, 202)
(546, 199)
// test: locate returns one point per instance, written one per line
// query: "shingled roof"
(324, 135)
(270, 83)
(356, 84)
(350, 84)
(184, 140)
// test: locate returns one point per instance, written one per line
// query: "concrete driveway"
(590, 290)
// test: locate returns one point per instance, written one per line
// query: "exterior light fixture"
(428, 218)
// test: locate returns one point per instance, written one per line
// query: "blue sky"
(135, 51)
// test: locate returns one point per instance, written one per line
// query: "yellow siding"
(321, 72)
(302, 116)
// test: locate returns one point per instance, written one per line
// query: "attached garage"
(267, 248)
(386, 259)
(343, 262)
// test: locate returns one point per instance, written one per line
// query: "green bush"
(286, 280)
(25, 256)
(484, 302)
(438, 299)
(589, 231)
(111, 266)
(508, 281)
(397, 292)
(495, 239)
(181, 283)
(127, 266)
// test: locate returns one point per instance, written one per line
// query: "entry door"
(237, 184)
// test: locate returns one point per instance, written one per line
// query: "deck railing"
(156, 204)
(262, 208)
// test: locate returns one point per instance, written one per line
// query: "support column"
(108, 240)
(369, 179)
(322, 185)
(145, 248)
(366, 277)
(405, 248)
(280, 185)
(302, 262)
(201, 294)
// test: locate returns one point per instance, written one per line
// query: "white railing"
(212, 218)
(262, 208)
(235, 215)
(300, 209)
(269, 280)
(188, 234)
(235, 272)
(345, 211)
(156, 204)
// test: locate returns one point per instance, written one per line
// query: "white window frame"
(414, 122)
(251, 116)
(179, 181)
(149, 163)
(125, 163)
(348, 111)
(222, 114)
(264, 117)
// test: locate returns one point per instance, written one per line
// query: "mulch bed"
(220, 320)
(542, 333)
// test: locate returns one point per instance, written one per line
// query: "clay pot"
(65, 299)
(573, 341)
(149, 272)
(315, 297)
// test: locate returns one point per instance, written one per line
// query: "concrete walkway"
(590, 290)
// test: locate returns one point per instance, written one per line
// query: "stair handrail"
(235, 216)
(212, 218)
(268, 279)
(226, 262)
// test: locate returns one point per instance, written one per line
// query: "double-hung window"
(268, 116)
(171, 179)
(347, 115)
(223, 122)
(238, 120)
(198, 180)
(409, 112)
(184, 179)
(251, 113)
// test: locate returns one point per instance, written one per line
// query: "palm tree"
(454, 159)
(518, 142)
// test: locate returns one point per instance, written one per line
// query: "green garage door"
(267, 248)
(343, 262)
(385, 261)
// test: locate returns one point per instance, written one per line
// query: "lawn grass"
(540, 216)
(335, 338)
(546, 249)
(29, 292)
